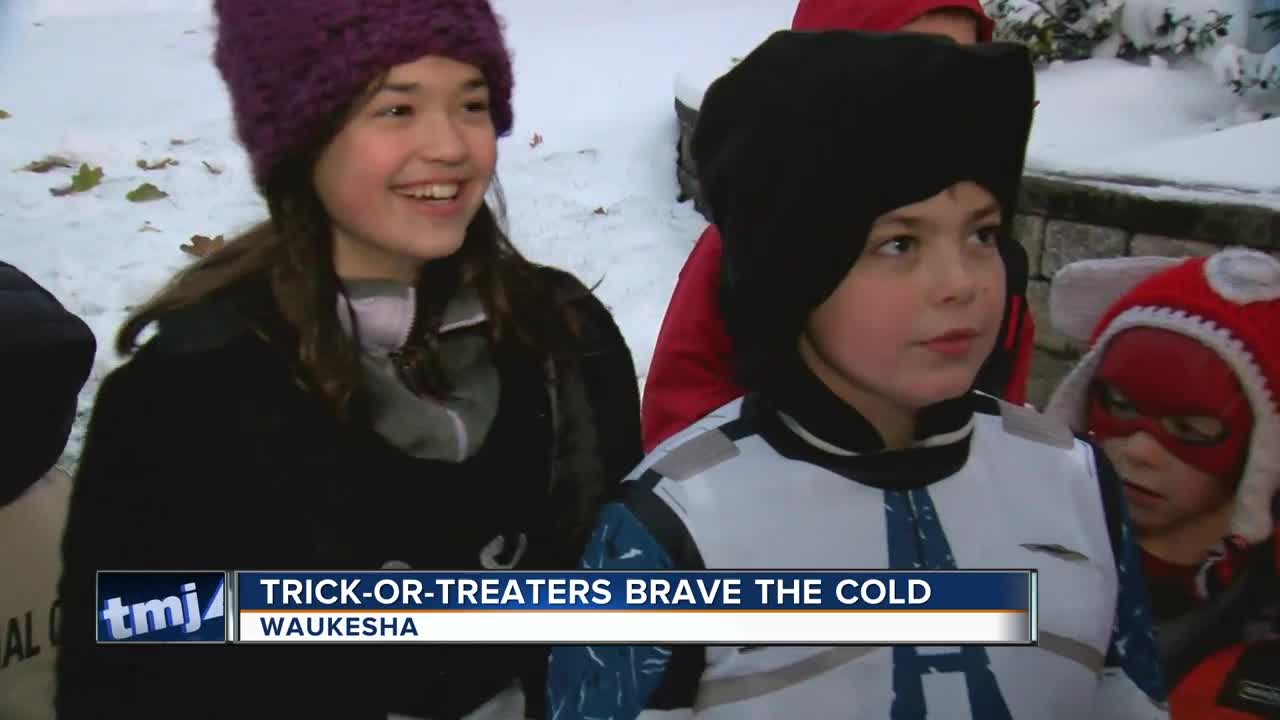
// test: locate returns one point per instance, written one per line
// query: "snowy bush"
(1055, 29)
(1179, 27)
(1078, 29)
(1212, 31)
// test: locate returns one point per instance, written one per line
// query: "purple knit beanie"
(288, 64)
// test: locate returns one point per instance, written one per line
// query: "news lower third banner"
(758, 607)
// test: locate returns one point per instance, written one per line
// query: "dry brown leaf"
(600, 211)
(203, 246)
(157, 164)
(48, 163)
(215, 169)
(4, 115)
(536, 141)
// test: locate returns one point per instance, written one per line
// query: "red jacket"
(691, 373)
(1196, 696)
(1231, 677)
(880, 15)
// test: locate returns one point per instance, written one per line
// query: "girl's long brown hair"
(293, 252)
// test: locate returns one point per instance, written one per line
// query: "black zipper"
(407, 360)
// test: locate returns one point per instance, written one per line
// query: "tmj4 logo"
(181, 613)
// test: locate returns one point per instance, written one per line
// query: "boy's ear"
(1083, 291)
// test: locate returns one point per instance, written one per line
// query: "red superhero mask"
(1179, 391)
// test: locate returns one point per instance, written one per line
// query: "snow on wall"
(1112, 117)
(1242, 158)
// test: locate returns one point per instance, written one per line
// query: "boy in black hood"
(46, 353)
(865, 186)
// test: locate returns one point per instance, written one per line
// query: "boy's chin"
(940, 387)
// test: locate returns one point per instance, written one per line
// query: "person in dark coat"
(374, 378)
(46, 353)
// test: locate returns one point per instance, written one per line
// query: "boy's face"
(1177, 445)
(958, 25)
(919, 312)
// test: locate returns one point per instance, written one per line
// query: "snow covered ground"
(112, 83)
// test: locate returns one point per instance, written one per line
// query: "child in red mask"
(1181, 388)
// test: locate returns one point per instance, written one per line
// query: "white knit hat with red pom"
(1230, 302)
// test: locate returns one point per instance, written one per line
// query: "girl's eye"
(988, 235)
(397, 111)
(477, 106)
(900, 245)
(1197, 429)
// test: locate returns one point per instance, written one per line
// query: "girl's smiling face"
(407, 172)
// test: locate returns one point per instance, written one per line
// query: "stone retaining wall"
(1062, 220)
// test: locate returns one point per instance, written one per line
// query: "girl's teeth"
(434, 192)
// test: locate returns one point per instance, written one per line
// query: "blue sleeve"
(610, 681)
(1132, 660)
(1133, 645)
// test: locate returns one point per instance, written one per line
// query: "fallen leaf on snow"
(600, 211)
(86, 179)
(146, 192)
(48, 163)
(157, 164)
(215, 169)
(4, 115)
(536, 141)
(203, 246)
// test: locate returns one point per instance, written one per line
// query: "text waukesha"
(339, 626)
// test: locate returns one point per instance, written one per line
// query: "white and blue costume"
(986, 485)
(796, 164)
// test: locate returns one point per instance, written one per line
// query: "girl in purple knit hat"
(371, 378)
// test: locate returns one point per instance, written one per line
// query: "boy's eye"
(1196, 429)
(1117, 404)
(896, 246)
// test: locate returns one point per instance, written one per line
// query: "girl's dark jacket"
(205, 452)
